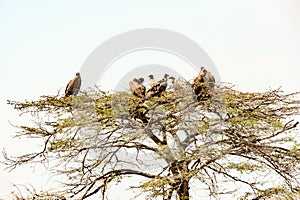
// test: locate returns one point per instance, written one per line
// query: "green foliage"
(243, 167)
(226, 138)
(277, 193)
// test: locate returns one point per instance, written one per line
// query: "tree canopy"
(244, 144)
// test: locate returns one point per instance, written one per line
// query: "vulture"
(163, 84)
(137, 88)
(157, 87)
(208, 77)
(202, 83)
(181, 88)
(73, 86)
(173, 79)
(176, 85)
(152, 81)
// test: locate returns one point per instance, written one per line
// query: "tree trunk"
(183, 190)
(181, 185)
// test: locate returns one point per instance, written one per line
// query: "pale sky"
(254, 44)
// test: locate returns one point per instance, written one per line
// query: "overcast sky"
(254, 44)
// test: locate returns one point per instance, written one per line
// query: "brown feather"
(157, 88)
(202, 83)
(73, 86)
(137, 88)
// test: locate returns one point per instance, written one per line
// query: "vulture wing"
(198, 84)
(69, 88)
(137, 89)
(133, 85)
(140, 91)
(157, 88)
(153, 91)
(73, 86)
(204, 81)
(162, 87)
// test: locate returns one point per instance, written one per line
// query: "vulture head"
(172, 78)
(151, 76)
(140, 80)
(203, 71)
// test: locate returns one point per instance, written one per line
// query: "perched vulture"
(73, 86)
(163, 84)
(152, 81)
(158, 87)
(204, 81)
(176, 85)
(208, 77)
(173, 79)
(137, 88)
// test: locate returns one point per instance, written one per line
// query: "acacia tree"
(234, 142)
